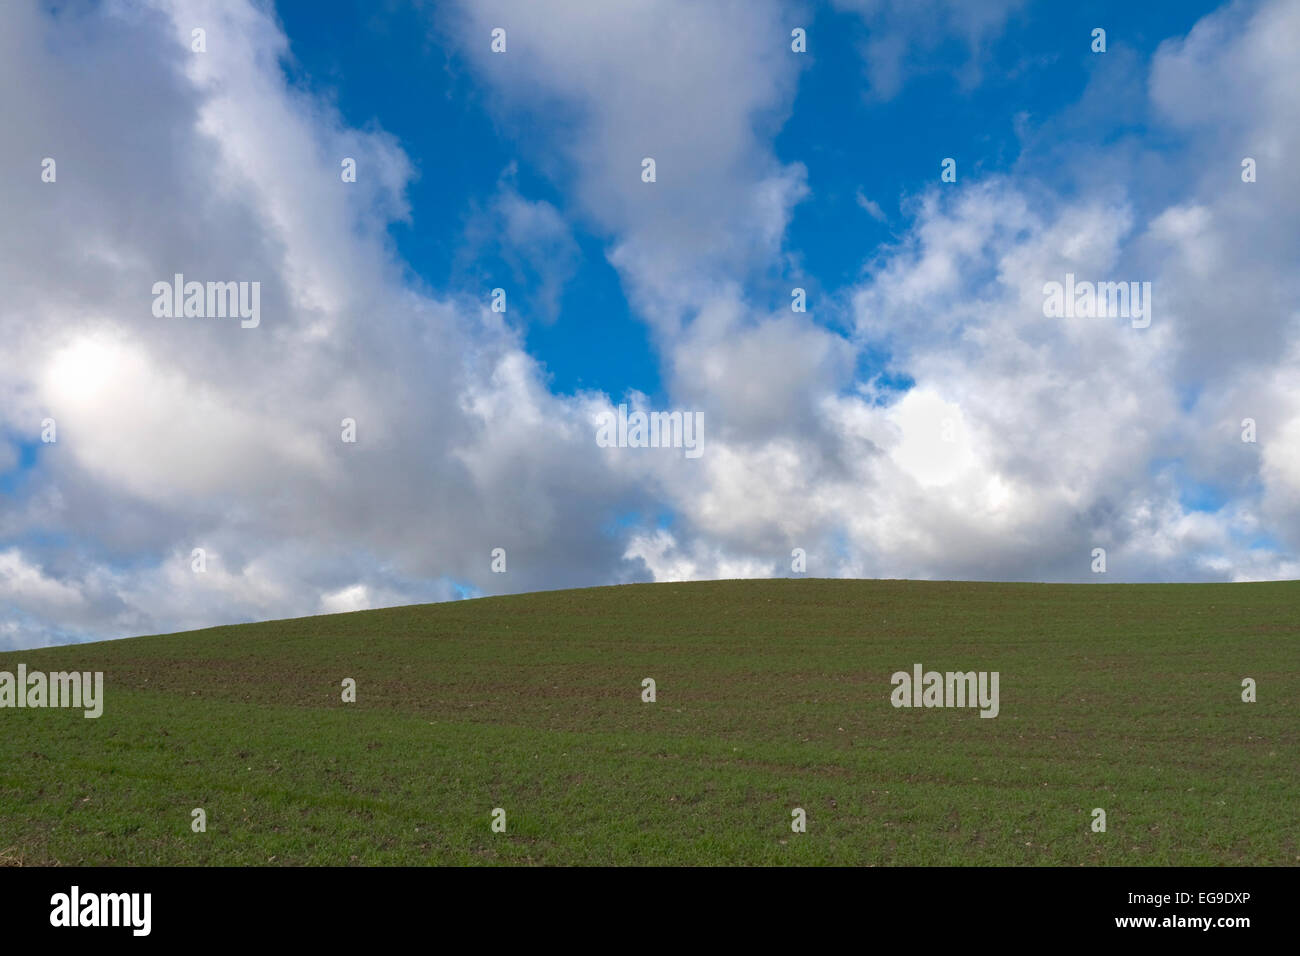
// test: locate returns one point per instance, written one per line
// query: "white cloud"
(870, 206)
(904, 35)
(1070, 433)
(354, 598)
(694, 86)
(179, 433)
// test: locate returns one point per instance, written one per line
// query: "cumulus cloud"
(182, 433)
(698, 88)
(1024, 442)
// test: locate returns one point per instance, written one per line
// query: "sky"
(924, 415)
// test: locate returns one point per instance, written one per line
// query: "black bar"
(984, 906)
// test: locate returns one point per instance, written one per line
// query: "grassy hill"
(771, 695)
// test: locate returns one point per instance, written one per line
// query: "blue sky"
(923, 418)
(393, 73)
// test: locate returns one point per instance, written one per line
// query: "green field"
(771, 695)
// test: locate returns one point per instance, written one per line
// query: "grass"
(771, 695)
